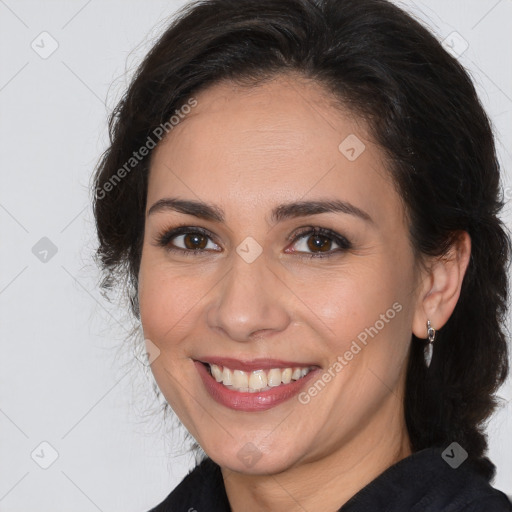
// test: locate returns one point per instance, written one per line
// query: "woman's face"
(248, 287)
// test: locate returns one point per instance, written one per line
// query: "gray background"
(66, 377)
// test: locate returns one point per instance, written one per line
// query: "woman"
(303, 196)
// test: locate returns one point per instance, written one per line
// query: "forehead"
(281, 140)
(282, 117)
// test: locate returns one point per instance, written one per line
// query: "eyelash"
(164, 240)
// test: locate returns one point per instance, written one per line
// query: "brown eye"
(319, 243)
(187, 240)
(194, 241)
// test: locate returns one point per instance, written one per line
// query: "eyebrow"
(280, 213)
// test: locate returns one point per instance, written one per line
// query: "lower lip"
(246, 401)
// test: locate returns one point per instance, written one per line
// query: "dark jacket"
(422, 482)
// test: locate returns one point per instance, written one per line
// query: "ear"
(440, 285)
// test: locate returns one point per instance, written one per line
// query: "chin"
(248, 458)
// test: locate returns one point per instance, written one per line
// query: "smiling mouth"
(256, 380)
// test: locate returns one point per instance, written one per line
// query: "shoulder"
(468, 490)
(428, 481)
(456, 488)
(495, 501)
(201, 489)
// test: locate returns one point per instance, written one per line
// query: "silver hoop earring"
(429, 348)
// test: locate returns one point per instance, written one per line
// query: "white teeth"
(240, 379)
(274, 377)
(258, 380)
(297, 374)
(227, 377)
(216, 372)
(287, 376)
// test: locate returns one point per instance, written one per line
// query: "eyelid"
(164, 237)
(312, 229)
(343, 243)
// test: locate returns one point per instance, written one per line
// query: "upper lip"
(253, 364)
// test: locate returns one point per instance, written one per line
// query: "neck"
(325, 484)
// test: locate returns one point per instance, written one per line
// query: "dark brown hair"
(423, 111)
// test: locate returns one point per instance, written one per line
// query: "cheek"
(365, 313)
(166, 310)
(167, 302)
(349, 299)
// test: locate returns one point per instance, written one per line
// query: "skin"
(247, 150)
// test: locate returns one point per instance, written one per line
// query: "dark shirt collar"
(422, 482)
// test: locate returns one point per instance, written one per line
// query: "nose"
(250, 302)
